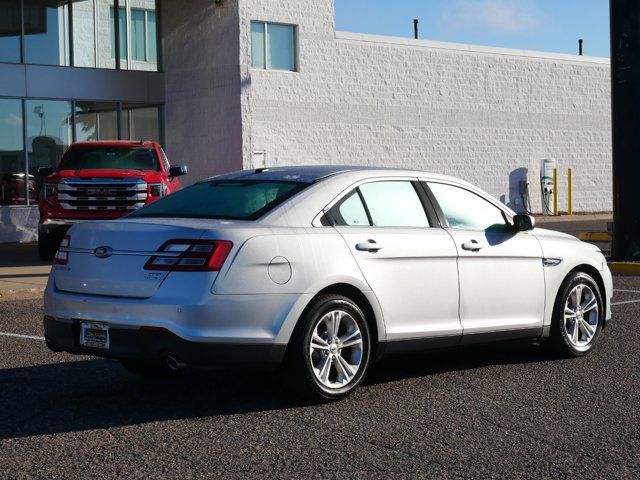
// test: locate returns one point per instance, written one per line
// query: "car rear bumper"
(144, 344)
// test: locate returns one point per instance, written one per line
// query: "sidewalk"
(21, 271)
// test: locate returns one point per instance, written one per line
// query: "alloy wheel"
(581, 316)
(336, 349)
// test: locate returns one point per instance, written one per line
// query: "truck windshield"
(117, 158)
(224, 199)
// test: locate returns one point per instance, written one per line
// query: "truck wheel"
(47, 246)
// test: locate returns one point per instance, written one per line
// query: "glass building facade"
(73, 70)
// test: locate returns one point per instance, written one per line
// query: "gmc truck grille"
(102, 194)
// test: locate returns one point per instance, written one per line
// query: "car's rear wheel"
(578, 316)
(330, 349)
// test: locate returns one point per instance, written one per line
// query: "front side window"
(223, 199)
(465, 210)
(381, 204)
(273, 46)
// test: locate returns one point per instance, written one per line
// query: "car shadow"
(97, 394)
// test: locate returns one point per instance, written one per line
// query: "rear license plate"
(94, 334)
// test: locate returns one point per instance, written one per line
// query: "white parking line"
(17, 335)
(626, 291)
(624, 303)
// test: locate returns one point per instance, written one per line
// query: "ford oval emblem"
(103, 252)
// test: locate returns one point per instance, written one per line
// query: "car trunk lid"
(109, 258)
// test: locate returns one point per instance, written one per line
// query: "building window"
(10, 27)
(273, 46)
(46, 32)
(13, 190)
(122, 22)
(49, 127)
(143, 35)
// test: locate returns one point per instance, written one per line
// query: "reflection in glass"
(122, 22)
(96, 121)
(140, 123)
(257, 45)
(10, 31)
(48, 132)
(84, 37)
(12, 175)
(46, 28)
(281, 46)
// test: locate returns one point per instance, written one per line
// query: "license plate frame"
(95, 334)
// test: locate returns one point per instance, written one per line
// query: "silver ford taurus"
(321, 270)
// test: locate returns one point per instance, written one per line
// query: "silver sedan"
(320, 270)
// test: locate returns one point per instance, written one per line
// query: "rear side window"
(350, 211)
(100, 158)
(381, 204)
(226, 199)
(394, 204)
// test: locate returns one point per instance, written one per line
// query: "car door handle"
(472, 246)
(369, 246)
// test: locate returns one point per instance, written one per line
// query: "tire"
(47, 246)
(576, 335)
(330, 370)
(149, 368)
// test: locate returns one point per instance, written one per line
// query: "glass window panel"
(122, 22)
(10, 31)
(257, 45)
(281, 46)
(152, 37)
(142, 123)
(12, 174)
(48, 132)
(96, 121)
(138, 50)
(350, 211)
(84, 35)
(46, 28)
(234, 199)
(466, 210)
(394, 204)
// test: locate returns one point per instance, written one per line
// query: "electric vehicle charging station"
(547, 187)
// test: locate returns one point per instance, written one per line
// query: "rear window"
(119, 158)
(225, 199)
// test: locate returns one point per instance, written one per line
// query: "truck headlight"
(156, 190)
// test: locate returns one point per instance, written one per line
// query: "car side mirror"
(523, 223)
(45, 171)
(178, 171)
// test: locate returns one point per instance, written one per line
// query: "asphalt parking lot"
(499, 411)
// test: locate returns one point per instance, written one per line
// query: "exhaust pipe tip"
(174, 364)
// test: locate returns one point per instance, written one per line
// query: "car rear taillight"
(190, 256)
(62, 255)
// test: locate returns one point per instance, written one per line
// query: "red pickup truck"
(101, 181)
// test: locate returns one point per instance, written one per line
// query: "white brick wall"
(482, 114)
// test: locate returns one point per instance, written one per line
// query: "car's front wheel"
(330, 349)
(578, 315)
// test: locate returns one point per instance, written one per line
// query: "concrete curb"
(626, 268)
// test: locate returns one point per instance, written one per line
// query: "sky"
(545, 25)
